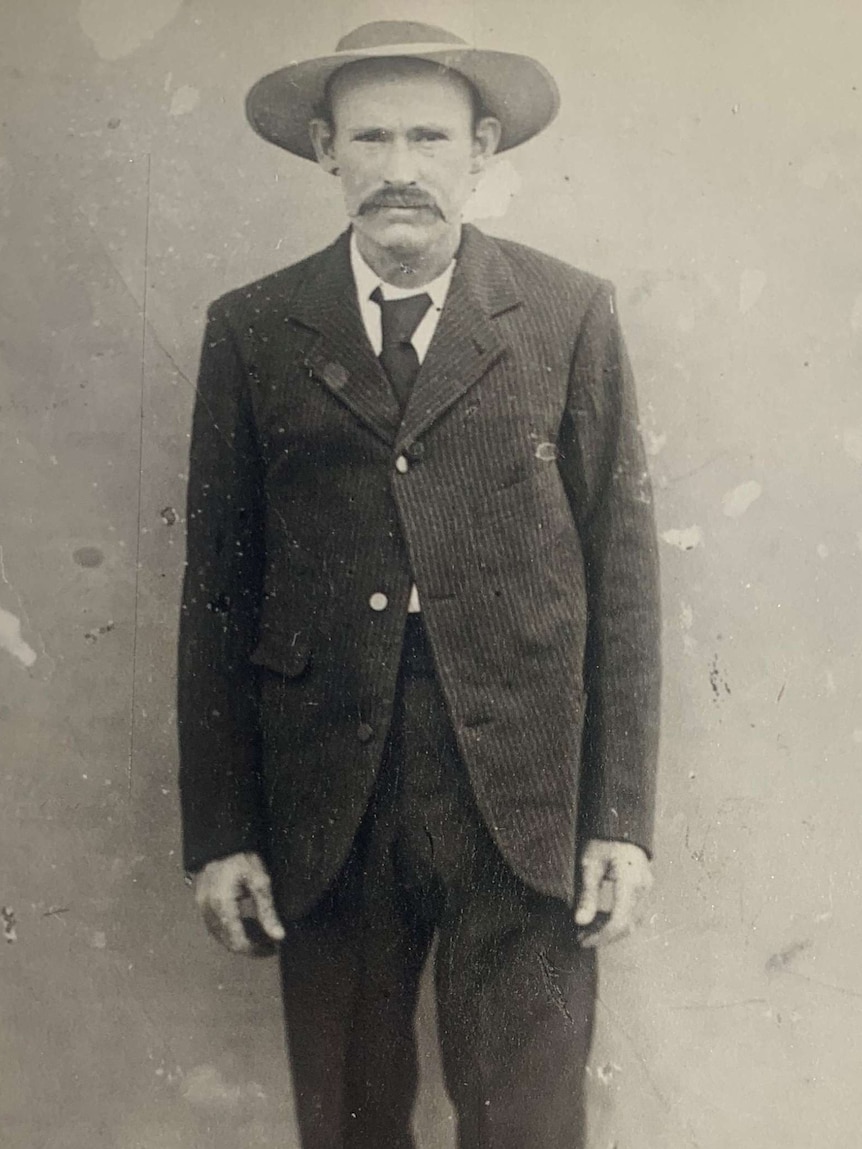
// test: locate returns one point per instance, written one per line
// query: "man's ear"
(486, 140)
(322, 136)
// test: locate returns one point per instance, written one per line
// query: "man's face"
(404, 144)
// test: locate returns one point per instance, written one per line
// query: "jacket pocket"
(286, 651)
(289, 655)
(287, 625)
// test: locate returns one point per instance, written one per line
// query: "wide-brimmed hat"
(516, 89)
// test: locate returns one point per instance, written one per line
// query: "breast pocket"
(525, 498)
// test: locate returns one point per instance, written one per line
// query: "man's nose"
(400, 166)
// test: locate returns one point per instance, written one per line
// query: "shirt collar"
(367, 280)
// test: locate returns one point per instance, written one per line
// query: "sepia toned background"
(707, 159)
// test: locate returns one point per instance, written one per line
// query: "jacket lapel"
(341, 357)
(466, 342)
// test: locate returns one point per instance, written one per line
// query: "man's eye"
(370, 137)
(430, 137)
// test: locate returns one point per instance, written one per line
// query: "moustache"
(405, 197)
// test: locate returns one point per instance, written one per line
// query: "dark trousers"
(515, 993)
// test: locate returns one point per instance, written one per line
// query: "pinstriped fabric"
(524, 516)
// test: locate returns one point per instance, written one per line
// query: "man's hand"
(220, 889)
(623, 870)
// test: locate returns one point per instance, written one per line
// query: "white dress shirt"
(367, 282)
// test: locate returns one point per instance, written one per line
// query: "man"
(419, 667)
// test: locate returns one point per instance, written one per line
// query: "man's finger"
(261, 891)
(223, 920)
(622, 919)
(592, 873)
(604, 936)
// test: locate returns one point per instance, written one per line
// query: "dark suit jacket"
(525, 517)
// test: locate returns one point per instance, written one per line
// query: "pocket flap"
(285, 654)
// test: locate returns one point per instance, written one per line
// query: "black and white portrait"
(429, 529)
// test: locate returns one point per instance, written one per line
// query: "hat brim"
(517, 90)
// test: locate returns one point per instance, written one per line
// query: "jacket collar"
(465, 343)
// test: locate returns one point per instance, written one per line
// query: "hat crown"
(392, 33)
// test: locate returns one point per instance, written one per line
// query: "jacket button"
(364, 732)
(415, 452)
(402, 466)
(378, 601)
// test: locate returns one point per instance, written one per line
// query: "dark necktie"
(400, 318)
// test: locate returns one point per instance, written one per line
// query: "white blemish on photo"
(736, 502)
(547, 452)
(119, 27)
(206, 1086)
(11, 640)
(686, 622)
(683, 538)
(184, 100)
(497, 187)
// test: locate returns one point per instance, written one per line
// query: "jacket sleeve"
(604, 466)
(217, 707)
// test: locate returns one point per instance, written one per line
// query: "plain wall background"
(707, 159)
